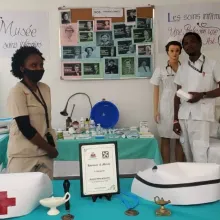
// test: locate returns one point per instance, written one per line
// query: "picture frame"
(99, 172)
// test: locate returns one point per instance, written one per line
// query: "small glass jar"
(59, 134)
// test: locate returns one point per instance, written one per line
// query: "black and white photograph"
(91, 69)
(85, 37)
(68, 34)
(128, 31)
(103, 24)
(131, 15)
(144, 67)
(72, 52)
(72, 69)
(107, 51)
(90, 52)
(142, 35)
(112, 66)
(86, 25)
(65, 17)
(128, 66)
(122, 31)
(144, 23)
(143, 49)
(104, 38)
(126, 47)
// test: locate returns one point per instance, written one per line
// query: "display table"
(133, 154)
(85, 209)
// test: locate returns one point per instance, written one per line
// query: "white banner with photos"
(100, 48)
(23, 28)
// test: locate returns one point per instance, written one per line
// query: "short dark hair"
(88, 48)
(176, 43)
(19, 57)
(192, 34)
(63, 14)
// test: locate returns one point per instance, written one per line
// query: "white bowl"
(54, 202)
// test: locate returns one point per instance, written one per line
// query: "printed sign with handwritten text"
(176, 20)
(23, 29)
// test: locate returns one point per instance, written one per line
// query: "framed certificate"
(99, 169)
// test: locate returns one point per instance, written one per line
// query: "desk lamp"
(64, 112)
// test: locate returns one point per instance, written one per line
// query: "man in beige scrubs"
(31, 146)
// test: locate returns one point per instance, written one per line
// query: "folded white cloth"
(183, 95)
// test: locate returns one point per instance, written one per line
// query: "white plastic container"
(25, 191)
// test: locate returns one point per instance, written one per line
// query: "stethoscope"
(171, 73)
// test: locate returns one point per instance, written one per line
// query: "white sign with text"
(99, 169)
(23, 29)
(176, 20)
(107, 12)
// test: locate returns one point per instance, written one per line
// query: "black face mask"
(34, 75)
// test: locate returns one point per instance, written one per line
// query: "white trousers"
(195, 140)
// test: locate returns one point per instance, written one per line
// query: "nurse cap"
(171, 39)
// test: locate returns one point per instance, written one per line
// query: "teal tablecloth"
(3, 150)
(85, 209)
(127, 149)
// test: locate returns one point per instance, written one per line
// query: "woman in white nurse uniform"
(163, 79)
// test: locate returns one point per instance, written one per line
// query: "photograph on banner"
(86, 25)
(86, 37)
(71, 52)
(144, 23)
(122, 30)
(144, 68)
(107, 51)
(112, 66)
(92, 70)
(90, 52)
(103, 24)
(65, 17)
(125, 47)
(142, 35)
(130, 16)
(143, 49)
(71, 70)
(104, 38)
(68, 34)
(128, 67)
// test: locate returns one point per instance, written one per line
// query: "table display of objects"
(86, 129)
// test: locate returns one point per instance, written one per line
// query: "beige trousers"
(42, 164)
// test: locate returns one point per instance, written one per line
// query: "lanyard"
(126, 202)
(41, 100)
(201, 70)
(168, 65)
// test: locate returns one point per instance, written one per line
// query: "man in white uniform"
(199, 76)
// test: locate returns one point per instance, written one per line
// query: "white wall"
(133, 97)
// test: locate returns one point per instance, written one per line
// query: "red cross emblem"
(5, 202)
